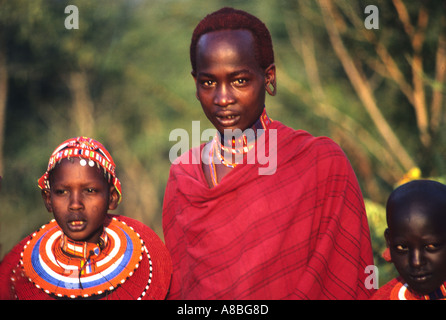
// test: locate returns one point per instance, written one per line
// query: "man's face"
(230, 83)
(79, 198)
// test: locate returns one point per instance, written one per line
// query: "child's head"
(233, 66)
(79, 187)
(416, 234)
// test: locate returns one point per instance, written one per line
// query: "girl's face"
(80, 198)
(417, 241)
(229, 81)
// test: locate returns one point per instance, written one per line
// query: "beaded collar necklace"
(48, 266)
(402, 292)
(83, 249)
(234, 146)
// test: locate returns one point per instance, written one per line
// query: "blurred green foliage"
(124, 79)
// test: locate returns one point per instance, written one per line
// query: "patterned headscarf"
(90, 152)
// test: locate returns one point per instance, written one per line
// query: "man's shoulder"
(300, 141)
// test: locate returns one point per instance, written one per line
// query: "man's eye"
(240, 82)
(401, 248)
(207, 83)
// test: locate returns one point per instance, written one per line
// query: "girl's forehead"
(76, 168)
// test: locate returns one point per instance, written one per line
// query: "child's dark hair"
(430, 192)
(232, 19)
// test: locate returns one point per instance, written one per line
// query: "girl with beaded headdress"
(85, 252)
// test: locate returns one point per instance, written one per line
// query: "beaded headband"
(89, 151)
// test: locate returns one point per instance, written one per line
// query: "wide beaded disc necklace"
(51, 269)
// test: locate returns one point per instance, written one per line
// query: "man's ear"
(46, 196)
(113, 198)
(194, 75)
(270, 79)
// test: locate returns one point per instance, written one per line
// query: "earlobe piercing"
(270, 88)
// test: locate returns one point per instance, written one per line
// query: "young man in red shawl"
(238, 227)
(85, 253)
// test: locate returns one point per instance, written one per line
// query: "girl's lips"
(76, 225)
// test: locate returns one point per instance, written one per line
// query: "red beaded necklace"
(235, 147)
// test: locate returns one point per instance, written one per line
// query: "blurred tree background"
(124, 79)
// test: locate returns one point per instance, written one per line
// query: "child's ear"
(113, 198)
(387, 237)
(46, 196)
(386, 254)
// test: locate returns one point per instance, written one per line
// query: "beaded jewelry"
(402, 292)
(90, 152)
(81, 275)
(240, 146)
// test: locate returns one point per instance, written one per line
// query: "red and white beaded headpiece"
(89, 151)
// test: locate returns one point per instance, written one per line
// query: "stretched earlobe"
(270, 80)
(271, 88)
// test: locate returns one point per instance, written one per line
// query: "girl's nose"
(75, 201)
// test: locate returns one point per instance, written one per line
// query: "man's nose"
(223, 96)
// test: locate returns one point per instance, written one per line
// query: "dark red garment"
(384, 292)
(300, 233)
(398, 289)
(14, 285)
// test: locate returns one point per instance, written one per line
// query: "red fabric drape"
(300, 233)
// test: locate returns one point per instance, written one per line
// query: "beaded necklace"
(83, 274)
(401, 292)
(83, 249)
(236, 147)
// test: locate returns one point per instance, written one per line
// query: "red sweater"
(14, 283)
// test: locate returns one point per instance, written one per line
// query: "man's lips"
(227, 119)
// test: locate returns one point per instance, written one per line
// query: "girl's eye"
(60, 191)
(91, 190)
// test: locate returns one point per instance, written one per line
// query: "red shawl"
(300, 233)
